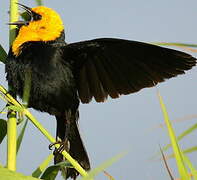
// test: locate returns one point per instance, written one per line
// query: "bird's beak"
(28, 11)
(19, 23)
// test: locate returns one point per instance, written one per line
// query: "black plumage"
(63, 74)
(115, 66)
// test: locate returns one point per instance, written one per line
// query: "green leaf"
(185, 151)
(177, 151)
(2, 97)
(3, 54)
(6, 174)
(42, 166)
(20, 137)
(51, 172)
(103, 166)
(191, 149)
(175, 44)
(3, 129)
(182, 135)
(15, 108)
(191, 167)
(39, 2)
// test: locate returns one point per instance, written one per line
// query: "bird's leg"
(63, 141)
(64, 145)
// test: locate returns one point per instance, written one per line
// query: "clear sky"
(127, 123)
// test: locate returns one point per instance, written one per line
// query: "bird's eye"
(36, 17)
(31, 16)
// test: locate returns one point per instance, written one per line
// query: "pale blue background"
(126, 123)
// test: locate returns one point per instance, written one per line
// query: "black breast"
(50, 77)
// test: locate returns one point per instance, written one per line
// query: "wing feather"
(95, 85)
(105, 78)
(113, 67)
(83, 86)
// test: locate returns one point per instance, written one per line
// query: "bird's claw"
(64, 145)
(53, 144)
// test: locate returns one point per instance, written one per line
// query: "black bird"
(64, 74)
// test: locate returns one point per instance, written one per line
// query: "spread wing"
(113, 67)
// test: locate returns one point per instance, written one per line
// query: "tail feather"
(76, 147)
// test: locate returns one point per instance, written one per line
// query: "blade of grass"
(189, 150)
(3, 54)
(20, 137)
(175, 44)
(42, 166)
(2, 98)
(3, 129)
(185, 151)
(182, 135)
(2, 112)
(51, 172)
(191, 167)
(178, 120)
(189, 164)
(184, 46)
(177, 152)
(103, 166)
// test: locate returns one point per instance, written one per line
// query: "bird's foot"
(64, 145)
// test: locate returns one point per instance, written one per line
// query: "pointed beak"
(21, 23)
(27, 9)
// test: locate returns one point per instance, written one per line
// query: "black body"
(53, 90)
(52, 82)
(63, 74)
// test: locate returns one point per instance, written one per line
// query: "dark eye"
(31, 16)
(36, 16)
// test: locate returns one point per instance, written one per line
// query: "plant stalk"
(52, 140)
(12, 101)
(12, 122)
(13, 17)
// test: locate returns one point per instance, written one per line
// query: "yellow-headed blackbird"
(64, 74)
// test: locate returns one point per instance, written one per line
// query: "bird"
(63, 75)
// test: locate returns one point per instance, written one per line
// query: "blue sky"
(126, 123)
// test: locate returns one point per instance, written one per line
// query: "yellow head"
(48, 27)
